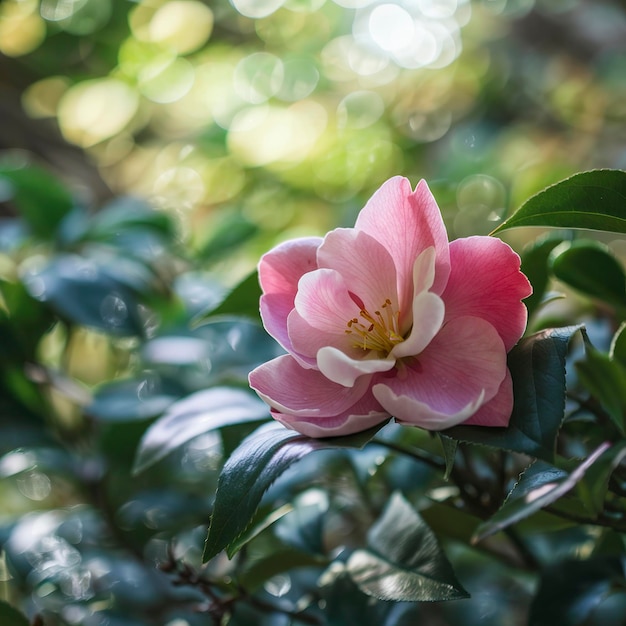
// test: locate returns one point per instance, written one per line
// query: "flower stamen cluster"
(380, 334)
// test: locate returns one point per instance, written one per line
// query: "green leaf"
(617, 351)
(232, 232)
(272, 564)
(593, 200)
(197, 414)
(449, 447)
(131, 399)
(251, 469)
(539, 486)
(303, 527)
(537, 367)
(606, 381)
(242, 301)
(403, 561)
(41, 199)
(593, 487)
(346, 605)
(125, 214)
(93, 294)
(535, 267)
(590, 268)
(569, 591)
(10, 616)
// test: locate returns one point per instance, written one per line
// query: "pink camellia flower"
(390, 319)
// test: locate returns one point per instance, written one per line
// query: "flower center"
(380, 331)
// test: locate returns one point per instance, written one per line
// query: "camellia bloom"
(390, 319)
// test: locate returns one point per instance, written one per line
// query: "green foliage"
(588, 267)
(592, 200)
(242, 300)
(195, 415)
(40, 198)
(605, 379)
(537, 366)
(538, 487)
(403, 561)
(125, 418)
(251, 469)
(570, 590)
(11, 616)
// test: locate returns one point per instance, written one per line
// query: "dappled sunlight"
(95, 110)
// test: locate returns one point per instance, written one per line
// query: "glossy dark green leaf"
(539, 486)
(195, 415)
(243, 301)
(569, 591)
(10, 616)
(252, 468)
(136, 399)
(594, 200)
(93, 294)
(606, 381)
(535, 267)
(590, 268)
(403, 560)
(41, 199)
(537, 367)
(593, 487)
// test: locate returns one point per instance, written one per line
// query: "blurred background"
(242, 123)
(282, 117)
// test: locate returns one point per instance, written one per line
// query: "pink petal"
(485, 281)
(324, 301)
(461, 369)
(422, 414)
(428, 314)
(337, 366)
(293, 390)
(496, 412)
(279, 272)
(281, 268)
(407, 222)
(364, 414)
(365, 265)
(307, 340)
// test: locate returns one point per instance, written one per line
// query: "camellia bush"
(437, 436)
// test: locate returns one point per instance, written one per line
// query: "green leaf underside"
(403, 561)
(592, 200)
(537, 367)
(539, 486)
(260, 459)
(197, 414)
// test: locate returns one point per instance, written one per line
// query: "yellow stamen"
(379, 332)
